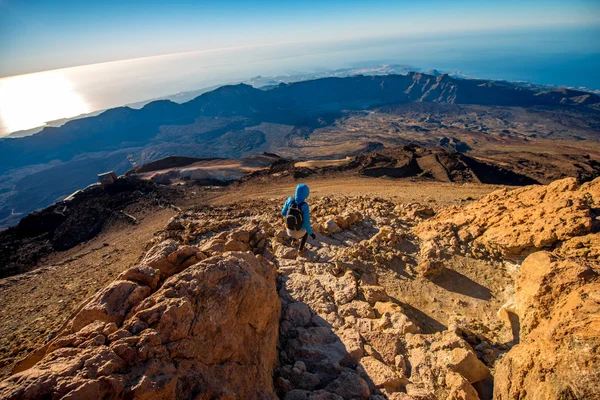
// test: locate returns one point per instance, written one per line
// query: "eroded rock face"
(514, 222)
(207, 332)
(169, 259)
(558, 304)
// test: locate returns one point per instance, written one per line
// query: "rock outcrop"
(514, 223)
(447, 357)
(207, 332)
(558, 305)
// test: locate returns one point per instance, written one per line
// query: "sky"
(38, 35)
(63, 58)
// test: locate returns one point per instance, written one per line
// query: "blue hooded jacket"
(302, 192)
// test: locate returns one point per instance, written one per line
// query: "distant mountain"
(237, 121)
(258, 81)
(297, 103)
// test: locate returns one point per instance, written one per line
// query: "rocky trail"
(497, 298)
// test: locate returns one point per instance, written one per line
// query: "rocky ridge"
(222, 306)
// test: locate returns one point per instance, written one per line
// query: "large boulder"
(558, 305)
(543, 281)
(207, 332)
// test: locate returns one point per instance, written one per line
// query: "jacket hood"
(302, 192)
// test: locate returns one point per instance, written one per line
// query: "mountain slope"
(393, 299)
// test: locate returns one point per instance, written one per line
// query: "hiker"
(297, 216)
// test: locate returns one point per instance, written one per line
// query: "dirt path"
(399, 190)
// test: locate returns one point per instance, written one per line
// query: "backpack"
(293, 219)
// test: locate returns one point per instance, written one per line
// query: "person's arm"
(286, 206)
(306, 219)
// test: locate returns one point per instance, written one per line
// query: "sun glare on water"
(29, 101)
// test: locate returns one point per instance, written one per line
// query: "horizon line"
(373, 37)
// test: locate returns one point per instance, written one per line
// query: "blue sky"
(42, 35)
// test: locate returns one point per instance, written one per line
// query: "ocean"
(558, 56)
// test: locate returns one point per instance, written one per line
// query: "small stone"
(332, 227)
(430, 269)
(373, 294)
(466, 363)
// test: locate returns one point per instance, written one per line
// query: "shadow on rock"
(314, 362)
(456, 282)
(424, 321)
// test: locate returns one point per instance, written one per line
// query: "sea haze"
(564, 57)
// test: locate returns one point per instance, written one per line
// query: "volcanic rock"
(557, 301)
(515, 222)
(208, 331)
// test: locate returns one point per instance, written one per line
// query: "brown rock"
(558, 302)
(358, 309)
(236, 245)
(383, 307)
(400, 396)
(182, 256)
(213, 246)
(156, 257)
(111, 304)
(387, 345)
(175, 224)
(350, 386)
(466, 363)
(418, 393)
(287, 253)
(587, 246)
(368, 279)
(373, 294)
(382, 376)
(141, 274)
(170, 259)
(353, 343)
(332, 227)
(459, 387)
(430, 268)
(311, 291)
(544, 278)
(401, 367)
(210, 332)
(514, 222)
(298, 314)
(435, 355)
(418, 210)
(240, 236)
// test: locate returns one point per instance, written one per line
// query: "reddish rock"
(210, 330)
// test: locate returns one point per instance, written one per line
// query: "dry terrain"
(49, 294)
(36, 304)
(411, 290)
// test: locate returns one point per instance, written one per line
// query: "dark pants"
(303, 242)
